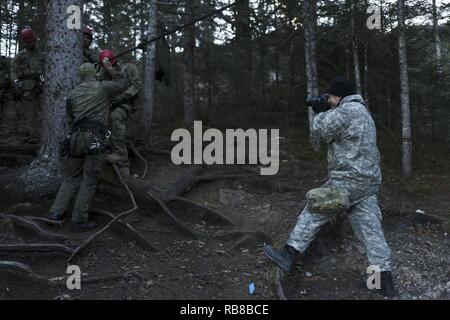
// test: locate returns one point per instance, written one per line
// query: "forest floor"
(222, 264)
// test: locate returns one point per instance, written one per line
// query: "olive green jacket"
(28, 64)
(90, 99)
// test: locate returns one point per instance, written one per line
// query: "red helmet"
(27, 35)
(88, 31)
(107, 54)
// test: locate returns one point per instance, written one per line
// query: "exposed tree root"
(110, 277)
(46, 221)
(27, 271)
(139, 155)
(277, 281)
(36, 248)
(109, 224)
(150, 195)
(256, 234)
(126, 231)
(208, 215)
(22, 269)
(180, 225)
(6, 236)
(34, 228)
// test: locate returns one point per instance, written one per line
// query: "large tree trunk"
(63, 56)
(404, 94)
(189, 75)
(149, 73)
(309, 25)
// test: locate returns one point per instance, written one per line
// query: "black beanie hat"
(341, 87)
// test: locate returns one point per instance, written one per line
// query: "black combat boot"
(387, 285)
(285, 258)
(83, 227)
(54, 216)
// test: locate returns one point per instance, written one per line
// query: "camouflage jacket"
(349, 131)
(134, 88)
(28, 68)
(28, 64)
(90, 99)
(5, 79)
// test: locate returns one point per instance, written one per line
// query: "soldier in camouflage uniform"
(89, 55)
(5, 84)
(28, 73)
(88, 107)
(354, 167)
(124, 105)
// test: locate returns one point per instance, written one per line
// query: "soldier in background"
(28, 75)
(124, 105)
(5, 85)
(89, 55)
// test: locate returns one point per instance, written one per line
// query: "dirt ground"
(226, 260)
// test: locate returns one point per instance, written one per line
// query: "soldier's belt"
(87, 125)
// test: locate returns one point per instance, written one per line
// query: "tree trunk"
(404, 94)
(440, 71)
(366, 75)
(310, 23)
(10, 31)
(355, 51)
(389, 109)
(189, 77)
(106, 12)
(149, 73)
(244, 58)
(437, 41)
(63, 55)
(356, 66)
(20, 24)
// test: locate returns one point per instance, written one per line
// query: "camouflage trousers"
(365, 218)
(80, 179)
(119, 118)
